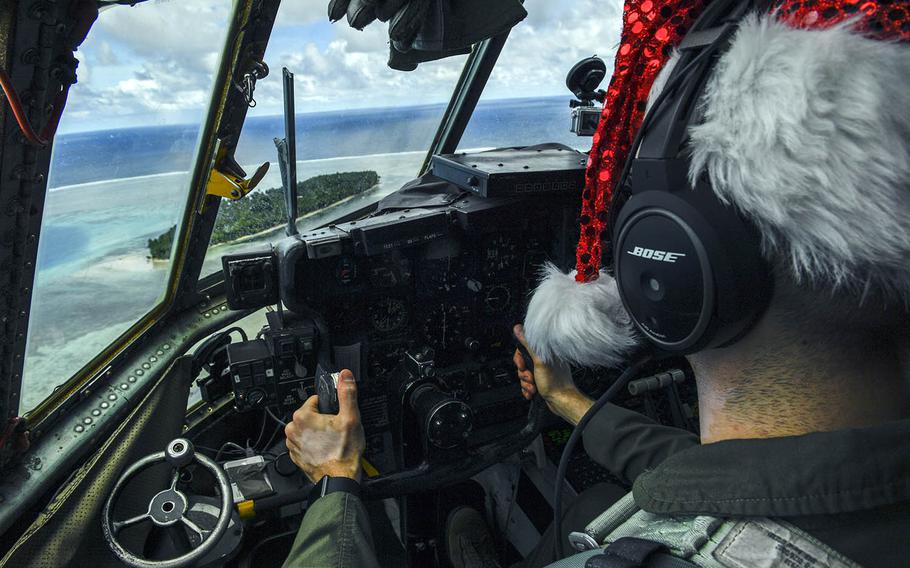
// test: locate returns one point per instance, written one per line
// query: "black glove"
(385, 9)
(337, 9)
(424, 30)
(407, 22)
(361, 13)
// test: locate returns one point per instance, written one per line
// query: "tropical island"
(263, 210)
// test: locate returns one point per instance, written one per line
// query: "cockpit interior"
(240, 200)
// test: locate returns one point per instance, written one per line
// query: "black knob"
(472, 344)
(180, 452)
(446, 422)
(256, 398)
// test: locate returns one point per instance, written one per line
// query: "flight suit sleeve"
(627, 443)
(335, 533)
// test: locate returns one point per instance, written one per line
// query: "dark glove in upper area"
(426, 30)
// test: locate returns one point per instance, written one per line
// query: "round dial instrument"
(388, 314)
(498, 299)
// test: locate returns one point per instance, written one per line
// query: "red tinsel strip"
(650, 32)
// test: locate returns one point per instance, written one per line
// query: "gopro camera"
(585, 120)
(583, 80)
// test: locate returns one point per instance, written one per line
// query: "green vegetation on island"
(263, 210)
(160, 248)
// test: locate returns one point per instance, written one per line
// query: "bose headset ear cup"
(688, 270)
(663, 274)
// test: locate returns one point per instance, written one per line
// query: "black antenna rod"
(287, 153)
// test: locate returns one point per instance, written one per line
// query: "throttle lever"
(525, 354)
(327, 391)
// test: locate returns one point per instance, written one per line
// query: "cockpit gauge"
(444, 276)
(388, 315)
(444, 326)
(390, 272)
(500, 254)
(346, 270)
(498, 299)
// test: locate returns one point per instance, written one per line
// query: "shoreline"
(276, 228)
(248, 167)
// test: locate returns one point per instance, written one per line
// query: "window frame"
(191, 223)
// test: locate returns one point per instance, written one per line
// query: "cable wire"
(280, 428)
(239, 330)
(237, 448)
(606, 397)
(280, 422)
(15, 106)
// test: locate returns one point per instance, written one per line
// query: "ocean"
(110, 191)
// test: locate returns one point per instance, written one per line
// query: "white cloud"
(157, 60)
(106, 54)
(298, 12)
(542, 49)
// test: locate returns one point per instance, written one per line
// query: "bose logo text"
(661, 255)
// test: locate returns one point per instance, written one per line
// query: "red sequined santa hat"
(806, 131)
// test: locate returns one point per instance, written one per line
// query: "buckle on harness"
(582, 541)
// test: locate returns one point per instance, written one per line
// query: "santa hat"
(806, 131)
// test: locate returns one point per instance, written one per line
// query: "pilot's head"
(803, 129)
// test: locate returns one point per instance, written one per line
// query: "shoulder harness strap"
(615, 539)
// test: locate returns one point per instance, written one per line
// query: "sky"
(154, 63)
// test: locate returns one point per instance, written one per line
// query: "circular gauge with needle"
(498, 299)
(388, 315)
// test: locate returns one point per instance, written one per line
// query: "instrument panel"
(459, 293)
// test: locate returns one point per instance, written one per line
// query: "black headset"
(688, 267)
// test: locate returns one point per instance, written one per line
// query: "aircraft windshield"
(118, 177)
(119, 171)
(526, 100)
(363, 129)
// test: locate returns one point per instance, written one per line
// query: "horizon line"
(333, 111)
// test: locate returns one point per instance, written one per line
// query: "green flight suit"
(335, 533)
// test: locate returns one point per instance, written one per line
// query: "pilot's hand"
(554, 383)
(328, 444)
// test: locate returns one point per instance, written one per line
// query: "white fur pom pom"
(584, 324)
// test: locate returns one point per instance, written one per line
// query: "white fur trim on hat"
(584, 324)
(807, 132)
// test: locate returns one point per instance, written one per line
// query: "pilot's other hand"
(554, 383)
(328, 444)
